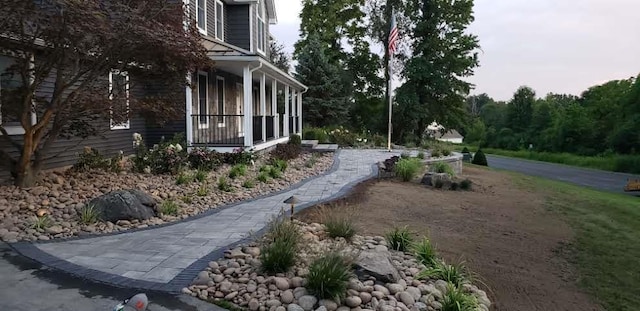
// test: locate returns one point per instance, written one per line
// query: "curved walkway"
(168, 258)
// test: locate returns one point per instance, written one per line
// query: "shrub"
(465, 150)
(455, 299)
(425, 252)
(329, 276)
(89, 214)
(466, 184)
(90, 159)
(274, 172)
(435, 153)
(248, 184)
(454, 274)
(316, 133)
(239, 156)
(286, 152)
(441, 167)
(224, 185)
(407, 169)
(439, 184)
(238, 170)
(454, 186)
(161, 159)
(116, 163)
(338, 223)
(203, 190)
(279, 164)
(203, 159)
(479, 158)
(278, 254)
(184, 178)
(201, 175)
(169, 207)
(312, 161)
(263, 177)
(420, 155)
(405, 155)
(295, 140)
(399, 238)
(42, 222)
(445, 152)
(343, 137)
(379, 140)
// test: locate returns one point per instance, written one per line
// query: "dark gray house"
(231, 106)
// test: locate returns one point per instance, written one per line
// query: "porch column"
(294, 111)
(248, 107)
(285, 122)
(263, 104)
(189, 110)
(274, 108)
(300, 113)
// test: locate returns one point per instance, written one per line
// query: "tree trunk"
(26, 175)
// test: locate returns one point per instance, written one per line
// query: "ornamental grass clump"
(169, 207)
(278, 253)
(89, 214)
(338, 223)
(454, 274)
(425, 252)
(441, 167)
(408, 168)
(455, 299)
(329, 276)
(399, 239)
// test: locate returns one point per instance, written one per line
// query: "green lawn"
(607, 247)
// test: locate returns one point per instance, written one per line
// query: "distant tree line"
(604, 119)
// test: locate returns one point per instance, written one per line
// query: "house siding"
(238, 26)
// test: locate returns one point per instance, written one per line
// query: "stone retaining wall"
(454, 160)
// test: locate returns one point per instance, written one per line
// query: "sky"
(558, 46)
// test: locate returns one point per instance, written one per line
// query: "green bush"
(224, 185)
(274, 172)
(465, 150)
(279, 164)
(203, 190)
(455, 299)
(203, 159)
(169, 207)
(168, 157)
(295, 140)
(379, 140)
(466, 185)
(90, 159)
(435, 153)
(315, 133)
(338, 223)
(420, 155)
(286, 152)
(41, 223)
(408, 169)
(442, 167)
(89, 215)
(479, 158)
(248, 184)
(238, 170)
(405, 155)
(238, 156)
(454, 274)
(278, 253)
(184, 178)
(425, 252)
(263, 177)
(445, 152)
(201, 175)
(399, 238)
(329, 276)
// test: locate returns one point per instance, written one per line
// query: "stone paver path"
(161, 255)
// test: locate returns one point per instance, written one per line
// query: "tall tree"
(327, 101)
(75, 44)
(444, 53)
(521, 109)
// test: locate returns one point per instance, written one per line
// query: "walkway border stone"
(184, 278)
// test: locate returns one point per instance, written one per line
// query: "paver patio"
(169, 257)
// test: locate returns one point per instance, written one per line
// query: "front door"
(240, 108)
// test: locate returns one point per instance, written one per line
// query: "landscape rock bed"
(237, 279)
(63, 195)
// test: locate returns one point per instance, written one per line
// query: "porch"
(247, 102)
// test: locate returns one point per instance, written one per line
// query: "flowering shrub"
(239, 156)
(343, 137)
(161, 159)
(203, 159)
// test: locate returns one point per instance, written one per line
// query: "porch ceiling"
(236, 64)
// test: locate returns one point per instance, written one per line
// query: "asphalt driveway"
(601, 180)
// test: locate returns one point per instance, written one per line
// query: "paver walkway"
(169, 257)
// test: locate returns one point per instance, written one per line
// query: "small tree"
(71, 47)
(278, 56)
(479, 158)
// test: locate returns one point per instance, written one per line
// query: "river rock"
(124, 204)
(294, 307)
(353, 301)
(378, 265)
(286, 297)
(307, 302)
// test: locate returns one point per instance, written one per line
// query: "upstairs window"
(201, 15)
(119, 96)
(262, 26)
(219, 20)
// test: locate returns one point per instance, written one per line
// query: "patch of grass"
(425, 252)
(408, 169)
(41, 223)
(89, 214)
(435, 153)
(466, 185)
(399, 238)
(203, 190)
(169, 207)
(280, 164)
(187, 199)
(457, 300)
(279, 252)
(184, 178)
(454, 274)
(420, 155)
(201, 175)
(248, 184)
(224, 185)
(237, 171)
(338, 223)
(329, 276)
(442, 167)
(263, 177)
(275, 173)
(606, 249)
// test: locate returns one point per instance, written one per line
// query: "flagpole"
(390, 102)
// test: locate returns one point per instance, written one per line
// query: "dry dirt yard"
(502, 232)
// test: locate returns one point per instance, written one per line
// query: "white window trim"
(224, 98)
(124, 125)
(261, 20)
(206, 106)
(221, 20)
(202, 30)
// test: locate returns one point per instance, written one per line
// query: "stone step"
(325, 148)
(309, 143)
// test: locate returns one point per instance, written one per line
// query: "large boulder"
(377, 265)
(124, 205)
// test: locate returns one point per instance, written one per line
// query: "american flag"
(393, 35)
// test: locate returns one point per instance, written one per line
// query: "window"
(201, 15)
(203, 108)
(262, 26)
(10, 84)
(119, 96)
(220, 100)
(219, 20)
